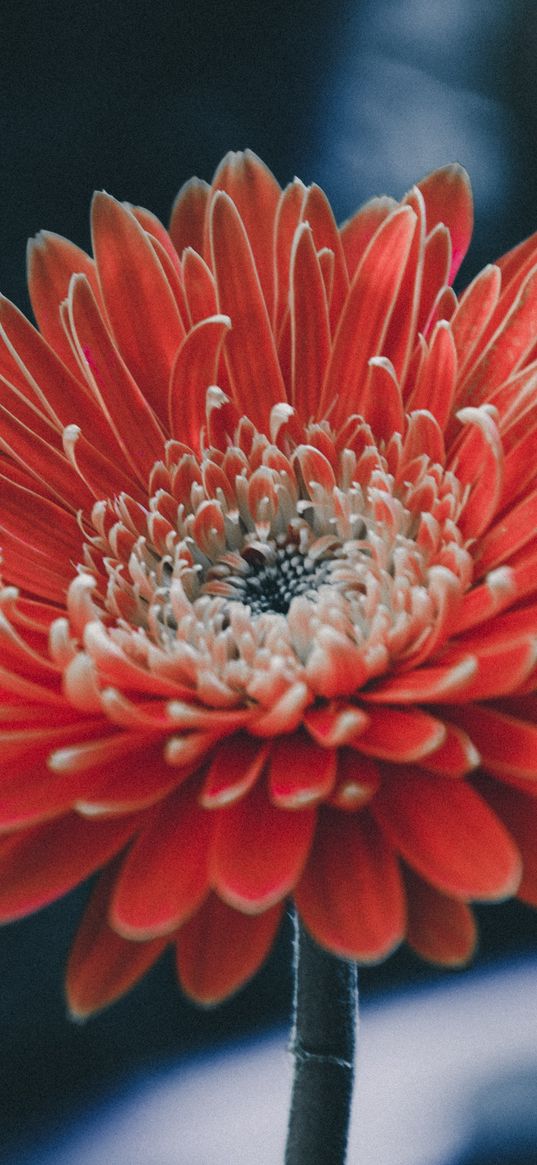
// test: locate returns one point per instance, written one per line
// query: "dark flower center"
(272, 576)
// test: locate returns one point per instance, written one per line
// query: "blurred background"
(364, 97)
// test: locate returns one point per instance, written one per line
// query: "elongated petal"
(194, 370)
(52, 261)
(102, 966)
(220, 949)
(448, 199)
(250, 352)
(350, 896)
(366, 313)
(259, 851)
(301, 772)
(400, 736)
(310, 328)
(439, 928)
(46, 861)
(255, 193)
(164, 877)
(139, 302)
(447, 833)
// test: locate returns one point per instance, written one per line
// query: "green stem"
(325, 1012)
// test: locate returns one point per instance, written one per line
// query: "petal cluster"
(268, 628)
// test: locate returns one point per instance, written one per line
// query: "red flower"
(268, 512)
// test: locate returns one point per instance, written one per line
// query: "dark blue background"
(364, 98)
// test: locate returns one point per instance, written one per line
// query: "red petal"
(194, 371)
(316, 210)
(310, 328)
(335, 724)
(250, 353)
(48, 860)
(187, 222)
(401, 334)
(366, 315)
(102, 966)
(350, 896)
(508, 348)
(164, 878)
(447, 833)
(382, 405)
(233, 770)
(200, 289)
(219, 949)
(439, 928)
(139, 301)
(357, 232)
(358, 779)
(52, 261)
(288, 216)
(256, 194)
(436, 268)
(45, 463)
(508, 746)
(259, 851)
(400, 736)
(456, 757)
(448, 199)
(512, 531)
(424, 685)
(519, 813)
(480, 444)
(133, 420)
(435, 384)
(473, 314)
(301, 772)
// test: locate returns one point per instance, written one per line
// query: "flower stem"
(325, 1011)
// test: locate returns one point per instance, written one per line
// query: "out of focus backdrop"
(364, 97)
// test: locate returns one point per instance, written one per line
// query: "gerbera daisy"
(269, 617)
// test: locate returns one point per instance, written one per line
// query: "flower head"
(269, 623)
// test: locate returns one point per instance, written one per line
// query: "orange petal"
(200, 289)
(448, 199)
(439, 928)
(424, 685)
(401, 334)
(436, 268)
(507, 349)
(511, 532)
(250, 353)
(194, 371)
(259, 851)
(480, 444)
(350, 896)
(357, 232)
(366, 315)
(52, 260)
(447, 833)
(435, 384)
(220, 949)
(456, 757)
(301, 772)
(288, 216)
(256, 194)
(400, 736)
(187, 222)
(310, 328)
(233, 770)
(316, 211)
(508, 746)
(138, 298)
(163, 878)
(132, 418)
(519, 813)
(102, 966)
(472, 316)
(46, 861)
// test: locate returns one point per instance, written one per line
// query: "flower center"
(268, 576)
(258, 567)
